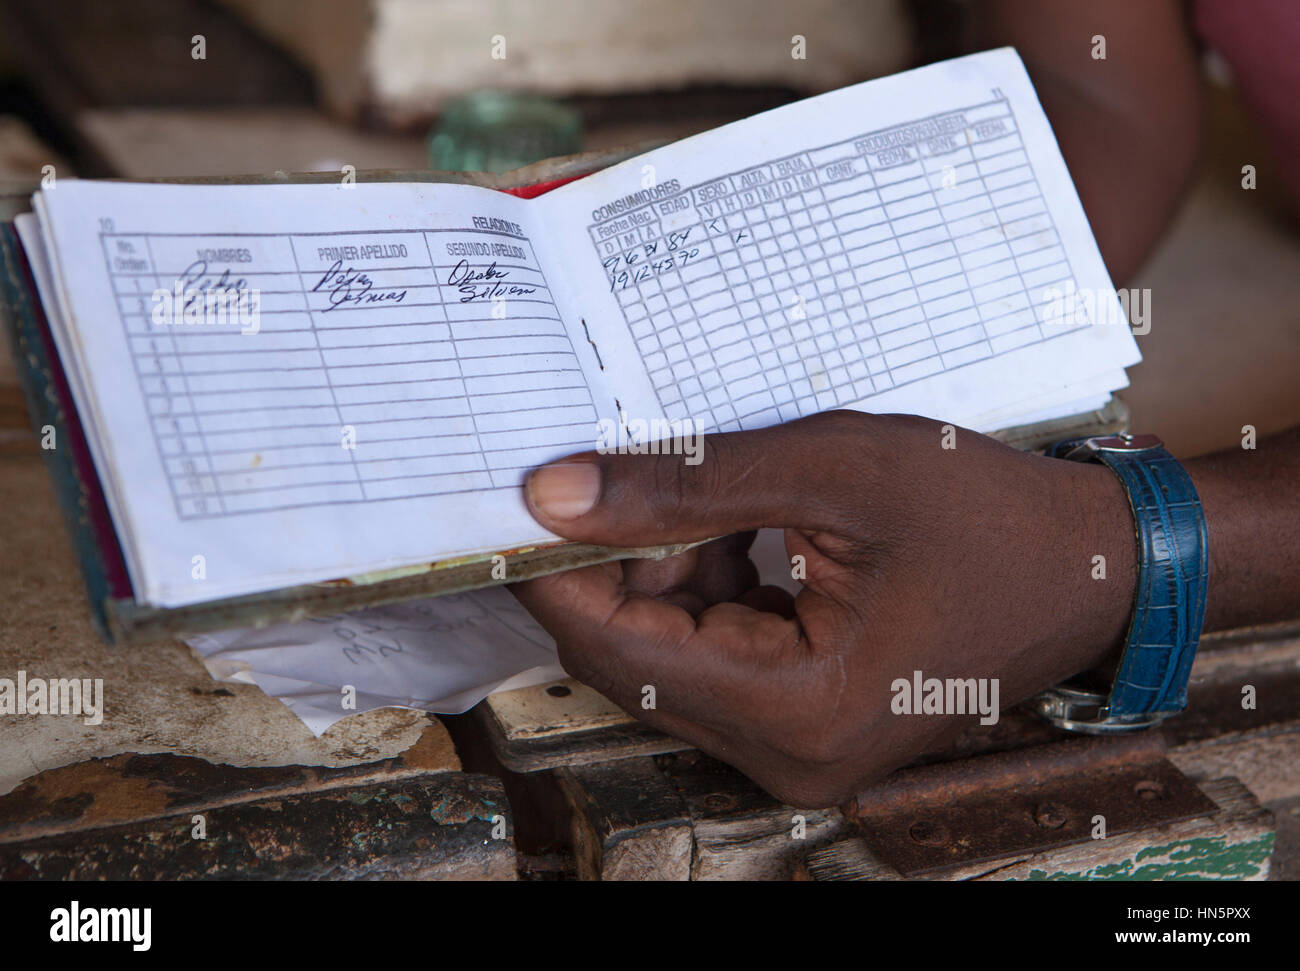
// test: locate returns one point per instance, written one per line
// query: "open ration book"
(292, 384)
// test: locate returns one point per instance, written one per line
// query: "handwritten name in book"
(348, 286)
(488, 283)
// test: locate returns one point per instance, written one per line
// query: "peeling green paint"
(377, 795)
(458, 811)
(1194, 859)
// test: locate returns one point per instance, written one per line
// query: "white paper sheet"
(444, 655)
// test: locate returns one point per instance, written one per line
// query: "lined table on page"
(821, 278)
(350, 366)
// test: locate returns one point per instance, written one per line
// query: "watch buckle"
(1123, 442)
(1080, 710)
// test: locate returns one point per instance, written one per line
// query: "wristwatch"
(1169, 605)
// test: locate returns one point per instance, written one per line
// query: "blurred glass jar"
(496, 131)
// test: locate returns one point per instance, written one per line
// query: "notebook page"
(903, 245)
(405, 366)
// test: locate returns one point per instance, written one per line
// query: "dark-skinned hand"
(974, 561)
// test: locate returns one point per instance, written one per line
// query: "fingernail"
(565, 490)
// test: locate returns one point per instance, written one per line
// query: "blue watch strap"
(1173, 574)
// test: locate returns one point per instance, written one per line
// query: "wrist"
(1104, 558)
(1081, 561)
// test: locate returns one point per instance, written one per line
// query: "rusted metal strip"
(449, 826)
(994, 806)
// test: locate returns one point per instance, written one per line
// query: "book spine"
(49, 406)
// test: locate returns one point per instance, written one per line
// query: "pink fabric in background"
(1260, 40)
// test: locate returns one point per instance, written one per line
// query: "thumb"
(799, 475)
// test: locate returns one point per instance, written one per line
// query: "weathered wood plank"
(628, 822)
(158, 698)
(739, 831)
(84, 52)
(23, 156)
(134, 788)
(398, 62)
(561, 724)
(1267, 762)
(156, 142)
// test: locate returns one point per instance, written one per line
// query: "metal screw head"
(1049, 815)
(1149, 789)
(929, 833)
